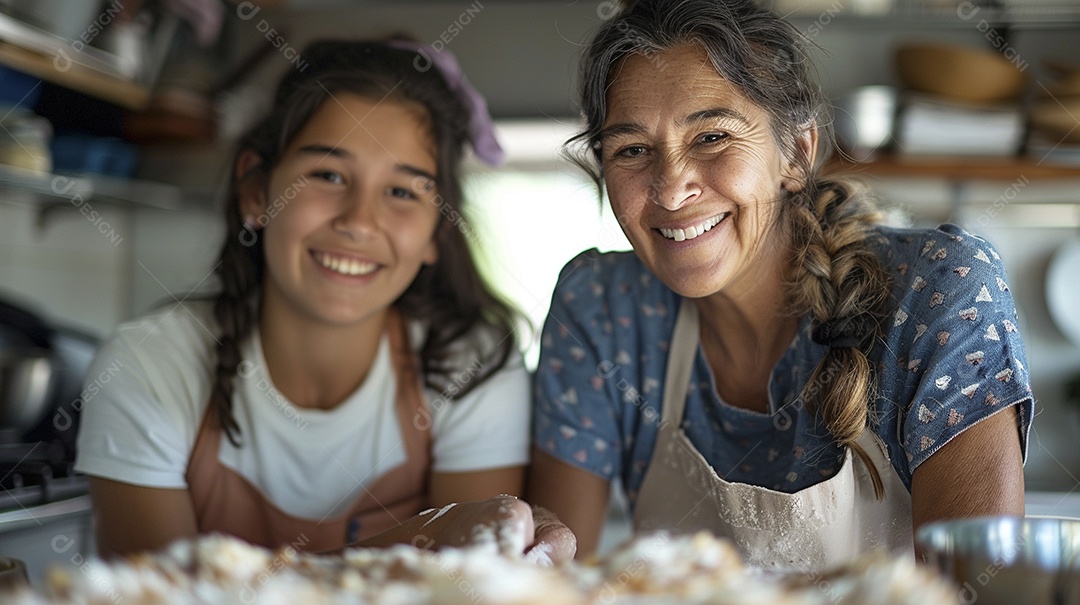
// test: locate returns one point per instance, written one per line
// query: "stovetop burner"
(33, 473)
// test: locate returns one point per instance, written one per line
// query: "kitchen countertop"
(1053, 504)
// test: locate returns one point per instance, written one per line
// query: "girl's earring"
(248, 235)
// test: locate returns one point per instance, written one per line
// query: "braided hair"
(464, 319)
(838, 279)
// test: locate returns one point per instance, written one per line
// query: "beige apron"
(227, 502)
(819, 527)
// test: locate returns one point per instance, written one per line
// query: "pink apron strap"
(225, 501)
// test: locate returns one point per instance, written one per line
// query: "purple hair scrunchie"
(481, 129)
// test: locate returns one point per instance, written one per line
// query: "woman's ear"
(806, 142)
(250, 187)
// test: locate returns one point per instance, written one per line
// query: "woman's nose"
(674, 182)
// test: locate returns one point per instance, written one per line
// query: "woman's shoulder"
(945, 276)
(905, 251)
(614, 282)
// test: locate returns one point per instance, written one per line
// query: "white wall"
(74, 267)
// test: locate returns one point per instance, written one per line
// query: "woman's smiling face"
(693, 172)
(351, 210)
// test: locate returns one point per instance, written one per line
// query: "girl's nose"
(358, 217)
(674, 183)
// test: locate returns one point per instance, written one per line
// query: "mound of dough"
(657, 569)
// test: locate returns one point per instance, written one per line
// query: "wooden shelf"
(124, 93)
(955, 168)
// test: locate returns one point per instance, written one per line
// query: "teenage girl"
(353, 368)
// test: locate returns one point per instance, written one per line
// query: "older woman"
(768, 363)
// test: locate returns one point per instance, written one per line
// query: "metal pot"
(26, 387)
(1007, 560)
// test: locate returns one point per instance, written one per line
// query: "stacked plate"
(1063, 290)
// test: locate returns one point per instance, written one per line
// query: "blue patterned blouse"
(950, 357)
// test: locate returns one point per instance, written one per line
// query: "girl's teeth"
(345, 266)
(691, 232)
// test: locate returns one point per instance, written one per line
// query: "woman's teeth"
(680, 235)
(345, 266)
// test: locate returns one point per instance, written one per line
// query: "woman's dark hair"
(839, 279)
(467, 324)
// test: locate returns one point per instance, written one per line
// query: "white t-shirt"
(148, 388)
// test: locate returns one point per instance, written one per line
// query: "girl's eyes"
(330, 177)
(336, 178)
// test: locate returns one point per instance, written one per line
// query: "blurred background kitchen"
(118, 122)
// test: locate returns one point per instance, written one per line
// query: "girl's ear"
(431, 254)
(806, 142)
(250, 188)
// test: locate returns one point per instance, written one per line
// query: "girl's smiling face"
(693, 172)
(350, 211)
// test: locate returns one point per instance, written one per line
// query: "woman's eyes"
(712, 137)
(402, 192)
(637, 151)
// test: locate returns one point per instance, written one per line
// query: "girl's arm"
(979, 472)
(577, 497)
(131, 518)
(445, 488)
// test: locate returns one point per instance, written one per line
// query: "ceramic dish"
(1063, 290)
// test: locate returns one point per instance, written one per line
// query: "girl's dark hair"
(468, 326)
(839, 279)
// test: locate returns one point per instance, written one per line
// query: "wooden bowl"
(1058, 118)
(959, 72)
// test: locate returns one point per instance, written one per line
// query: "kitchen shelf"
(955, 168)
(49, 57)
(53, 191)
(937, 15)
(77, 77)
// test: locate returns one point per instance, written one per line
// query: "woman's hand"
(552, 540)
(514, 526)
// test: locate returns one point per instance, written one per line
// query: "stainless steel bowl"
(1007, 560)
(26, 387)
(863, 120)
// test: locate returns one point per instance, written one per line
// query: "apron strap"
(681, 355)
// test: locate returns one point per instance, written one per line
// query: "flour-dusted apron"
(818, 527)
(226, 502)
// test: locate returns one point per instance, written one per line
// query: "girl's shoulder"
(182, 329)
(169, 349)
